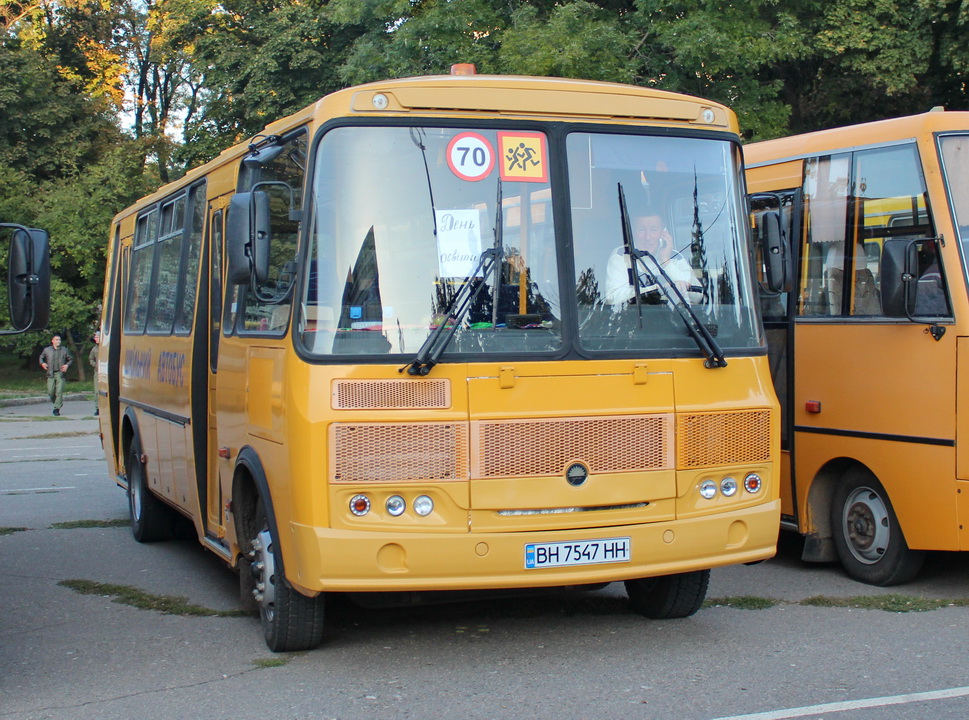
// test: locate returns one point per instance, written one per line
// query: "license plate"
(581, 552)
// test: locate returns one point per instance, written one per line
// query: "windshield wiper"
(430, 352)
(698, 331)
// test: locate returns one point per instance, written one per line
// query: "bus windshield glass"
(420, 231)
(401, 218)
(684, 212)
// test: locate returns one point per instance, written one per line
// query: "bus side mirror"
(898, 276)
(28, 279)
(775, 258)
(247, 238)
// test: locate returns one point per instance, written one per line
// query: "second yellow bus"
(870, 351)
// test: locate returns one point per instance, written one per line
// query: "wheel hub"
(866, 525)
(264, 573)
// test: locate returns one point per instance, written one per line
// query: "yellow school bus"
(370, 350)
(868, 348)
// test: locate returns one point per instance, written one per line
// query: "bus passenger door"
(213, 511)
(777, 312)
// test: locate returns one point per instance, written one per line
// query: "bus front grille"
(390, 394)
(731, 438)
(516, 448)
(398, 452)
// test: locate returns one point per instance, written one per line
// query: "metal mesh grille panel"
(391, 394)
(547, 447)
(398, 452)
(712, 439)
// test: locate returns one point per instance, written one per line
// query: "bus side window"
(826, 211)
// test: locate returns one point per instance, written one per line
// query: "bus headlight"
(359, 505)
(395, 505)
(708, 489)
(753, 483)
(728, 486)
(423, 505)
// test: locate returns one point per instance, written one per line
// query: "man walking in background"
(55, 360)
(93, 359)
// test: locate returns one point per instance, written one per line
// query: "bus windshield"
(404, 217)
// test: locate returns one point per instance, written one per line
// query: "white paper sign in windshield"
(458, 242)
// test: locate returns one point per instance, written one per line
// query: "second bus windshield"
(403, 215)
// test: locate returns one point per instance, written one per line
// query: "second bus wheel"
(867, 536)
(151, 519)
(290, 621)
(669, 596)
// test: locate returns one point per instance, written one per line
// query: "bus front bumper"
(322, 560)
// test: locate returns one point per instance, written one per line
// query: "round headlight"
(395, 505)
(728, 486)
(423, 505)
(708, 115)
(380, 101)
(359, 505)
(753, 483)
(708, 489)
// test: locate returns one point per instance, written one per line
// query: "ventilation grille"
(547, 447)
(712, 439)
(391, 394)
(398, 452)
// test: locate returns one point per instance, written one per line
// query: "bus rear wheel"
(290, 621)
(151, 519)
(669, 596)
(867, 535)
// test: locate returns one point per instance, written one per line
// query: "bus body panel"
(890, 394)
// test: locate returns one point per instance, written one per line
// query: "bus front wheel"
(290, 621)
(151, 519)
(669, 596)
(867, 535)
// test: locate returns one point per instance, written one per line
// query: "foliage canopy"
(102, 101)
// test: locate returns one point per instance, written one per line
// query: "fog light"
(708, 489)
(728, 486)
(395, 505)
(423, 505)
(753, 483)
(359, 505)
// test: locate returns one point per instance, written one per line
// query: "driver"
(649, 234)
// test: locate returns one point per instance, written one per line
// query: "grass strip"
(79, 524)
(165, 604)
(889, 603)
(11, 530)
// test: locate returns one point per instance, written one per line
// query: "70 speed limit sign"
(470, 156)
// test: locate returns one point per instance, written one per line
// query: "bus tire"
(151, 519)
(290, 621)
(669, 596)
(867, 536)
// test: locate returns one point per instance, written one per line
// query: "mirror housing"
(898, 275)
(776, 257)
(247, 238)
(28, 278)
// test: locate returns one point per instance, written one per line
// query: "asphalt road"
(558, 655)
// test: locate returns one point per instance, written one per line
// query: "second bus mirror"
(897, 281)
(774, 253)
(248, 238)
(28, 279)
(911, 279)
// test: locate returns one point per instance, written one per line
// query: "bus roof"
(465, 96)
(795, 147)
